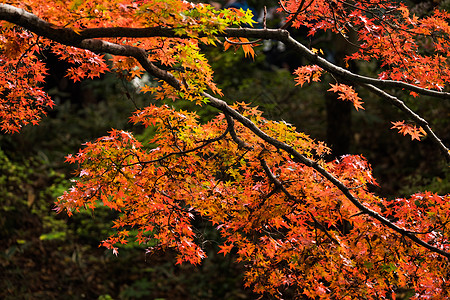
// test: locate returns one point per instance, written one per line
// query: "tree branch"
(40, 27)
(68, 36)
(233, 134)
(223, 106)
(278, 184)
(420, 121)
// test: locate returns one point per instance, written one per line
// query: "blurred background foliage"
(48, 256)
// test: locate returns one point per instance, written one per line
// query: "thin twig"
(233, 134)
(242, 43)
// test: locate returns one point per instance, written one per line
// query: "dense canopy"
(298, 220)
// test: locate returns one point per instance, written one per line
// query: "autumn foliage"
(297, 221)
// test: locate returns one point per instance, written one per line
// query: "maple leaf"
(415, 132)
(225, 249)
(307, 74)
(244, 43)
(136, 72)
(347, 93)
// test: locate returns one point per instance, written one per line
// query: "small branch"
(205, 143)
(233, 134)
(299, 9)
(277, 183)
(265, 18)
(420, 121)
(242, 43)
(284, 8)
(324, 229)
(357, 214)
(356, 187)
(350, 76)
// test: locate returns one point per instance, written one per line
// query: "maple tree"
(297, 221)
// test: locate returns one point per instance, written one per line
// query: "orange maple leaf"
(244, 42)
(415, 132)
(347, 93)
